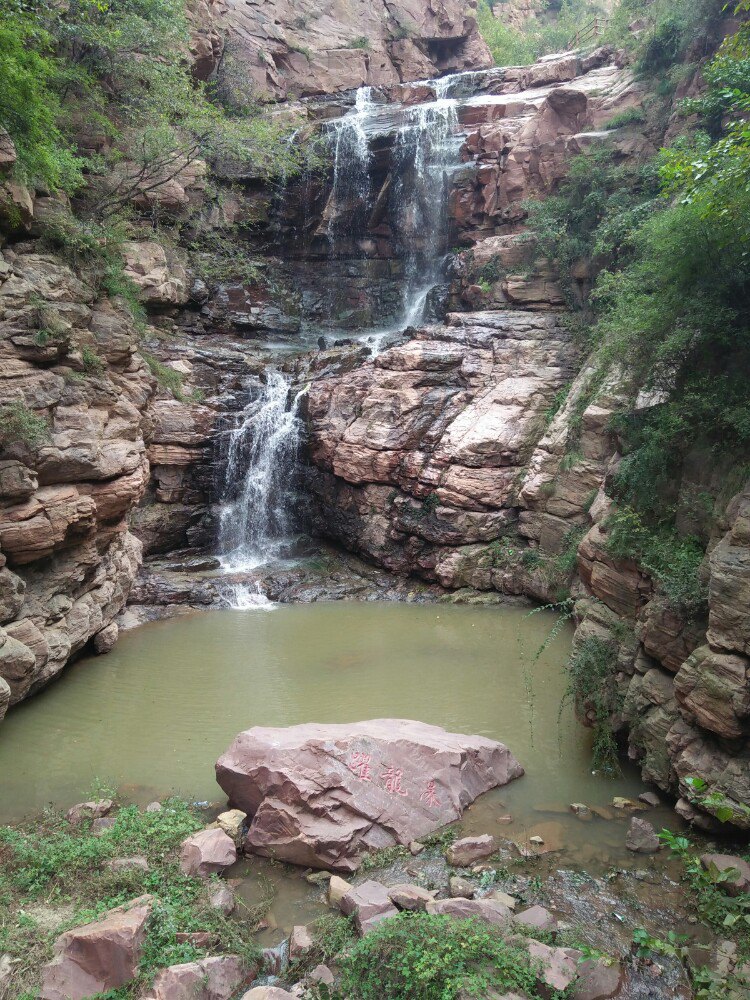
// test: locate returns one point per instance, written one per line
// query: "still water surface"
(152, 716)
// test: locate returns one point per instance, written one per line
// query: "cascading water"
(425, 149)
(259, 487)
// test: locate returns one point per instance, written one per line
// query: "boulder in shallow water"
(324, 795)
(207, 852)
(642, 838)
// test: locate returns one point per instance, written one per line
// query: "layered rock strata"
(326, 795)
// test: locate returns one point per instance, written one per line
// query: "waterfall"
(259, 485)
(425, 150)
(351, 170)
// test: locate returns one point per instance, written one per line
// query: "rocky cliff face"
(70, 373)
(303, 48)
(452, 457)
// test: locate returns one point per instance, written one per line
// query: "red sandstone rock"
(324, 795)
(410, 897)
(98, 957)
(207, 852)
(300, 942)
(89, 810)
(558, 966)
(537, 916)
(470, 849)
(369, 903)
(641, 838)
(488, 910)
(597, 980)
(208, 979)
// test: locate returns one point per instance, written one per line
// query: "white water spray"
(256, 519)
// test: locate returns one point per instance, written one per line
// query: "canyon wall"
(477, 456)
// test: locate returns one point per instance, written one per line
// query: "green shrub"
(20, 425)
(362, 42)
(165, 376)
(552, 32)
(56, 862)
(591, 686)
(30, 108)
(93, 364)
(418, 956)
(630, 116)
(672, 561)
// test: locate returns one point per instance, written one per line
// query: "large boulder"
(98, 957)
(324, 795)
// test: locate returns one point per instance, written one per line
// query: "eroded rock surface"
(99, 956)
(301, 48)
(72, 466)
(325, 795)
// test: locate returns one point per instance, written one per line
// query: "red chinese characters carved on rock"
(429, 796)
(360, 765)
(392, 778)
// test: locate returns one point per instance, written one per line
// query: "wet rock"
(650, 799)
(300, 942)
(557, 966)
(318, 878)
(410, 897)
(466, 851)
(369, 903)
(98, 957)
(739, 881)
(337, 889)
(626, 804)
(89, 810)
(538, 917)
(232, 823)
(490, 911)
(208, 979)
(106, 640)
(4, 697)
(580, 809)
(641, 837)
(598, 980)
(324, 795)
(461, 887)
(206, 853)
